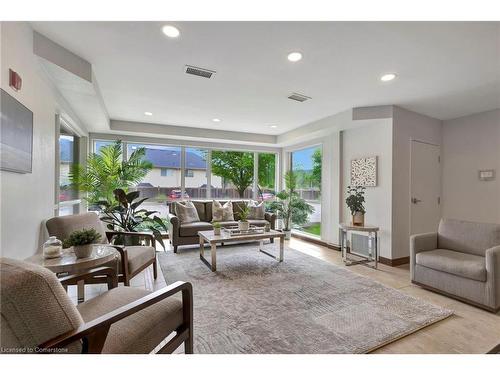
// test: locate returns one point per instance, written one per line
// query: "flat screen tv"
(16, 135)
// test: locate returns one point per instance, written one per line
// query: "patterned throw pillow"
(256, 210)
(222, 213)
(186, 211)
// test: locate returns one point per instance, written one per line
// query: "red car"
(177, 194)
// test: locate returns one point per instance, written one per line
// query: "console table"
(372, 231)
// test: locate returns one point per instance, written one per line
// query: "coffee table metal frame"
(209, 237)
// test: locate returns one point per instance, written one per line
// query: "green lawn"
(314, 229)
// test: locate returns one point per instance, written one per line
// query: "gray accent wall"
(471, 143)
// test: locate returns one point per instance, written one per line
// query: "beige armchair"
(38, 316)
(133, 259)
(461, 260)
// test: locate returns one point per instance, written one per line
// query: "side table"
(372, 257)
(69, 264)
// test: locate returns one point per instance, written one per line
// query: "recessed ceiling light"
(148, 113)
(216, 120)
(294, 56)
(274, 126)
(170, 31)
(388, 77)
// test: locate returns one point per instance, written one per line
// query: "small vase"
(358, 219)
(217, 231)
(243, 225)
(83, 251)
(288, 234)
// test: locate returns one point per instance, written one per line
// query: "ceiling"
(445, 69)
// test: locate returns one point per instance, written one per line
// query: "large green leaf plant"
(127, 216)
(106, 171)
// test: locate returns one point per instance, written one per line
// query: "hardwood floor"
(470, 330)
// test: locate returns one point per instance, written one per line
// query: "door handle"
(415, 200)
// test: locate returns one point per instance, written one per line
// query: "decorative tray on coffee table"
(234, 231)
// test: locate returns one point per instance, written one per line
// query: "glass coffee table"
(213, 240)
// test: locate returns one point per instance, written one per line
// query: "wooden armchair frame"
(93, 334)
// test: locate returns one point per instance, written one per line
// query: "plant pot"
(243, 225)
(288, 234)
(358, 219)
(83, 251)
(217, 231)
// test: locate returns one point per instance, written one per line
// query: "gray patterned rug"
(253, 304)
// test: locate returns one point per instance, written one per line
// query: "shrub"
(82, 237)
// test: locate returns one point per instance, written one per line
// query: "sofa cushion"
(138, 333)
(468, 237)
(454, 262)
(222, 212)
(192, 229)
(257, 211)
(202, 210)
(187, 212)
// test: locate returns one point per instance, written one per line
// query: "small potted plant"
(217, 228)
(355, 201)
(243, 223)
(83, 242)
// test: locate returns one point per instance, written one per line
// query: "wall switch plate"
(487, 175)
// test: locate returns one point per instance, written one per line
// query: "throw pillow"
(186, 211)
(222, 213)
(256, 210)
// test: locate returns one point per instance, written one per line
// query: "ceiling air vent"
(298, 97)
(200, 72)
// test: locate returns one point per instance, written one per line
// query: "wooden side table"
(372, 231)
(69, 264)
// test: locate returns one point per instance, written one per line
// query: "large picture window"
(68, 200)
(163, 183)
(306, 164)
(266, 187)
(196, 173)
(232, 174)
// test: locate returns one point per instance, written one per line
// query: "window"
(166, 172)
(266, 187)
(67, 199)
(196, 164)
(306, 164)
(232, 174)
(163, 183)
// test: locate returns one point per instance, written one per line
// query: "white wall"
(471, 143)
(27, 199)
(407, 126)
(373, 139)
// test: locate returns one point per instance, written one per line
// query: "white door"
(425, 187)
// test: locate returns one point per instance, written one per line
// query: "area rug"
(253, 304)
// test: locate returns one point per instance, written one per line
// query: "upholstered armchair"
(38, 316)
(133, 259)
(461, 260)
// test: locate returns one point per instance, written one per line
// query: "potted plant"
(217, 228)
(355, 201)
(243, 223)
(82, 242)
(106, 171)
(127, 216)
(290, 207)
